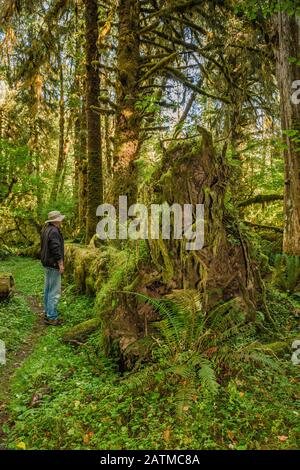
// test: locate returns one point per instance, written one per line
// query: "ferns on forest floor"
(190, 347)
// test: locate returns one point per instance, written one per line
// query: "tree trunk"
(108, 150)
(126, 139)
(61, 146)
(77, 131)
(288, 29)
(82, 170)
(94, 168)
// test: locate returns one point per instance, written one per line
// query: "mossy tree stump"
(227, 267)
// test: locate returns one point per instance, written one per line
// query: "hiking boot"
(56, 322)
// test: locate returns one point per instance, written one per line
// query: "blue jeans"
(52, 292)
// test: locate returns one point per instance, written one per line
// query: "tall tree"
(94, 168)
(82, 169)
(127, 127)
(61, 144)
(288, 71)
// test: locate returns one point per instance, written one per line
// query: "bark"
(66, 152)
(108, 149)
(80, 144)
(82, 170)
(61, 145)
(94, 167)
(77, 130)
(127, 128)
(288, 46)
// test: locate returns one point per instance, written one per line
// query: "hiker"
(52, 258)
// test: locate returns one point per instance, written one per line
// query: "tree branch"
(261, 199)
(182, 78)
(263, 227)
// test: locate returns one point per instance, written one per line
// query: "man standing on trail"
(52, 258)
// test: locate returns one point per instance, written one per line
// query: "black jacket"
(52, 246)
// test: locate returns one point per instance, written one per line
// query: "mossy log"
(278, 347)
(81, 331)
(33, 251)
(261, 199)
(6, 285)
(86, 266)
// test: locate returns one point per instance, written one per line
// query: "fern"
(207, 377)
(184, 397)
(141, 379)
(189, 345)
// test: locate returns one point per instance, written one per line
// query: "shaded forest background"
(94, 94)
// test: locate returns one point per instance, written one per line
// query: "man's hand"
(61, 267)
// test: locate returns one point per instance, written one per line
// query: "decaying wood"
(6, 285)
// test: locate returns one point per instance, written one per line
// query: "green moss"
(121, 270)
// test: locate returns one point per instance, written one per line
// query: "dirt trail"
(17, 360)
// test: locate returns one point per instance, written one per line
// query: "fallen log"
(264, 227)
(261, 199)
(6, 285)
(81, 331)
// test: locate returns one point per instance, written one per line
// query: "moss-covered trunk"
(61, 144)
(288, 71)
(82, 170)
(126, 139)
(94, 168)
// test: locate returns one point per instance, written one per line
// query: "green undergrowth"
(16, 318)
(73, 397)
(16, 323)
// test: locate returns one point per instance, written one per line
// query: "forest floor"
(57, 396)
(21, 328)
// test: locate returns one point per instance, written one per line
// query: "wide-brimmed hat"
(55, 216)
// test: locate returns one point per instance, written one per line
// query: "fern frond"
(183, 370)
(184, 397)
(164, 308)
(143, 379)
(189, 310)
(207, 377)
